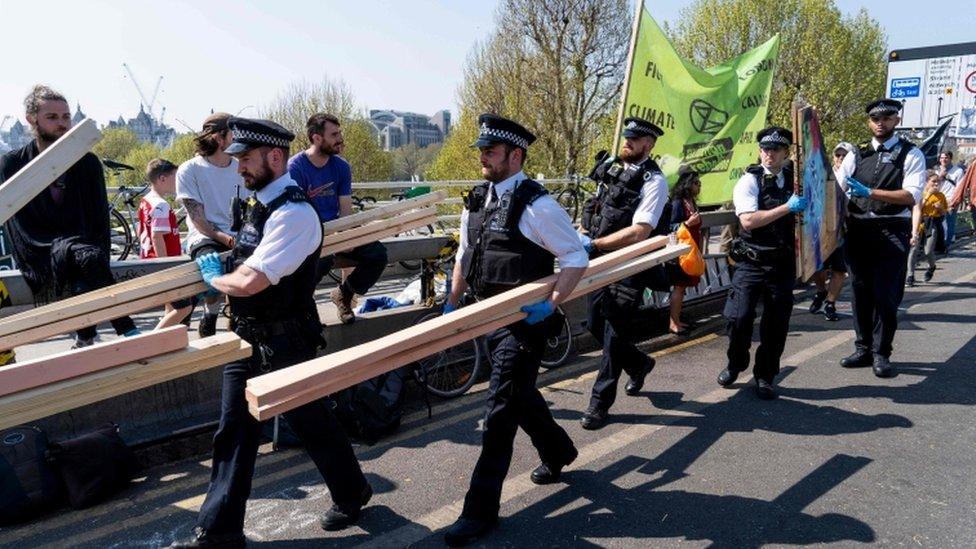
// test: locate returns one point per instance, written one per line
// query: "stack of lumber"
(168, 285)
(282, 390)
(357, 229)
(46, 167)
(46, 386)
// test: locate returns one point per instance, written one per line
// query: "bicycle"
(122, 227)
(572, 195)
(453, 371)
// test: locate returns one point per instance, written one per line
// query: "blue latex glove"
(448, 308)
(587, 243)
(210, 268)
(538, 311)
(857, 189)
(797, 203)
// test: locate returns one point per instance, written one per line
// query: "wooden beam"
(386, 231)
(332, 239)
(285, 383)
(46, 167)
(41, 402)
(58, 367)
(382, 212)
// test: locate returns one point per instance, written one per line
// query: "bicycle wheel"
(558, 347)
(569, 201)
(121, 235)
(451, 372)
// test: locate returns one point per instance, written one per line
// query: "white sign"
(932, 89)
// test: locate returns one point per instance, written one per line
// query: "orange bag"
(692, 263)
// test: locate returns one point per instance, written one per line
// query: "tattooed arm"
(196, 213)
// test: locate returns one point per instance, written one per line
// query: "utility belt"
(742, 251)
(260, 334)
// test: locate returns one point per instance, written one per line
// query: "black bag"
(93, 466)
(373, 409)
(28, 484)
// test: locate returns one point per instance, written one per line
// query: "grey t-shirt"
(212, 186)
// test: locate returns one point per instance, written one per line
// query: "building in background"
(14, 134)
(394, 129)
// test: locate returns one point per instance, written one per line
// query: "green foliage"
(456, 159)
(368, 161)
(137, 157)
(835, 63)
(410, 160)
(181, 149)
(116, 143)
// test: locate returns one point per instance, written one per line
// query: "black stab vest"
(292, 297)
(883, 171)
(779, 234)
(499, 257)
(617, 198)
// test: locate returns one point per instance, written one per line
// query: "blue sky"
(231, 56)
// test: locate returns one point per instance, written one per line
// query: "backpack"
(374, 408)
(28, 484)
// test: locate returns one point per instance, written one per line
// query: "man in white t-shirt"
(207, 185)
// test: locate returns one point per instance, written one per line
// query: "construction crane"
(150, 103)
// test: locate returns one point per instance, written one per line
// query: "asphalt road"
(841, 458)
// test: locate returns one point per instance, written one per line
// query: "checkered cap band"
(504, 135)
(882, 110)
(775, 139)
(246, 136)
(633, 125)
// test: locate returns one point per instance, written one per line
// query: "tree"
(836, 63)
(456, 160)
(557, 67)
(115, 144)
(181, 149)
(138, 158)
(411, 160)
(300, 100)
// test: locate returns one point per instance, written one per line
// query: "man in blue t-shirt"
(327, 180)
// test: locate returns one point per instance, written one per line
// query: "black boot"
(859, 359)
(201, 538)
(818, 301)
(467, 530)
(341, 516)
(594, 418)
(727, 377)
(635, 384)
(882, 366)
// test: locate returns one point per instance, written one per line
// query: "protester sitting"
(926, 217)
(684, 209)
(61, 238)
(159, 233)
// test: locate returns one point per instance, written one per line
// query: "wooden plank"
(382, 212)
(338, 237)
(94, 316)
(46, 167)
(58, 367)
(200, 354)
(278, 385)
(342, 376)
(387, 231)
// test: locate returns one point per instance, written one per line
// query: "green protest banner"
(710, 117)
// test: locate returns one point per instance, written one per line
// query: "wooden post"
(795, 114)
(61, 396)
(58, 367)
(382, 212)
(44, 169)
(634, 32)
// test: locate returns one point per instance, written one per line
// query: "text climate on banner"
(710, 117)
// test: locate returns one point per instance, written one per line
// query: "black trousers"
(237, 438)
(877, 257)
(773, 284)
(513, 401)
(610, 319)
(369, 261)
(89, 270)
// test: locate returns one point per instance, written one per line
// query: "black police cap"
(496, 129)
(638, 127)
(774, 137)
(883, 107)
(249, 133)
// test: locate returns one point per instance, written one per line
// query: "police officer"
(765, 256)
(628, 208)
(883, 180)
(270, 286)
(511, 233)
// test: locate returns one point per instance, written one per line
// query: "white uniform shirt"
(653, 198)
(745, 194)
(544, 222)
(953, 176)
(291, 233)
(213, 187)
(913, 180)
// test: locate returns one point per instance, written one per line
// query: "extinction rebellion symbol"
(707, 118)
